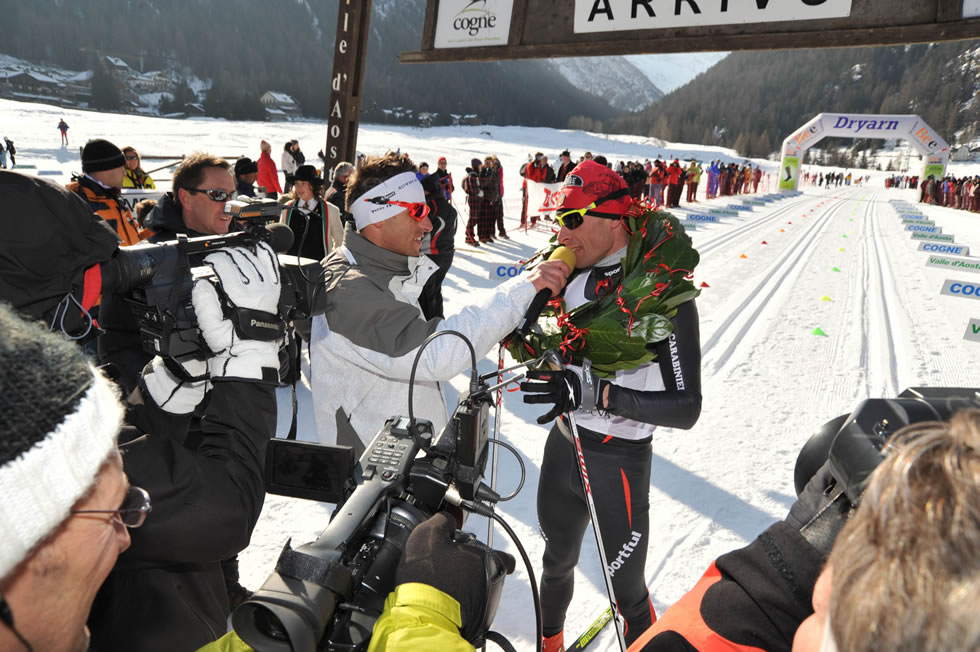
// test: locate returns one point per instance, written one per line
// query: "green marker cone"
(826, 298)
(818, 331)
(834, 269)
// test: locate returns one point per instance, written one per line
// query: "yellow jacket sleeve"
(227, 643)
(419, 617)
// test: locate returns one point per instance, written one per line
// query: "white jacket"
(363, 347)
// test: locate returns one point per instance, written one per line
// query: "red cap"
(441, 159)
(591, 181)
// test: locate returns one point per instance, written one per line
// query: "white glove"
(249, 280)
(170, 393)
(479, 193)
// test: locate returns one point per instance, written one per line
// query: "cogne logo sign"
(473, 23)
(473, 18)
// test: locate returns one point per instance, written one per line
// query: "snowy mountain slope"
(614, 79)
(671, 71)
(767, 381)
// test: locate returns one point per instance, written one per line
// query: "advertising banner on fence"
(541, 198)
(789, 173)
(942, 248)
(468, 24)
(132, 197)
(961, 289)
(959, 264)
(973, 330)
(622, 15)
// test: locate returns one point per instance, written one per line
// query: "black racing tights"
(619, 475)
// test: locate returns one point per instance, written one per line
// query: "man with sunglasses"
(202, 184)
(616, 417)
(364, 346)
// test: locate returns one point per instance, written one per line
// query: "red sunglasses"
(418, 210)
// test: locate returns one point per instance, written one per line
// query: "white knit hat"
(59, 419)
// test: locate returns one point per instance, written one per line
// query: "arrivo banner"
(467, 24)
(961, 289)
(937, 248)
(622, 15)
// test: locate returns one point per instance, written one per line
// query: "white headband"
(40, 486)
(401, 187)
(828, 644)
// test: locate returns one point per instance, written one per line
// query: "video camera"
(328, 594)
(157, 279)
(855, 443)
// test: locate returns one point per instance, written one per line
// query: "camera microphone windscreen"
(281, 237)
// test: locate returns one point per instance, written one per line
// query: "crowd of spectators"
(953, 192)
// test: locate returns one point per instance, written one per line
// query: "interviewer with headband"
(363, 347)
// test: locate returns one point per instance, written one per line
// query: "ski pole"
(496, 435)
(584, 477)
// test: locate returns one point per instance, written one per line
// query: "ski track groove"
(731, 235)
(789, 263)
(883, 338)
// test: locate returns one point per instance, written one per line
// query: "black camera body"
(328, 594)
(156, 280)
(855, 443)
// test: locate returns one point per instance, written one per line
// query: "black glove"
(569, 389)
(821, 510)
(459, 566)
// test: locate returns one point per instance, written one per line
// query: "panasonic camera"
(156, 280)
(327, 594)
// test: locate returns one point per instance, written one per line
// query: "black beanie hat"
(306, 173)
(100, 154)
(245, 165)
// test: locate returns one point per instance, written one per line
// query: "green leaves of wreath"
(617, 331)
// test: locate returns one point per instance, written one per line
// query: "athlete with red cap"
(616, 417)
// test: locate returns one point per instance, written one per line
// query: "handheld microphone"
(565, 255)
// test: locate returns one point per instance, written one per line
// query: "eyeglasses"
(214, 194)
(132, 512)
(418, 210)
(131, 157)
(573, 218)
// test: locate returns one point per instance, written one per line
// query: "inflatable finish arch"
(934, 150)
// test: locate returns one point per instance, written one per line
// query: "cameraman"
(362, 349)
(202, 184)
(168, 591)
(903, 573)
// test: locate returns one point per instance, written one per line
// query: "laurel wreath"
(616, 331)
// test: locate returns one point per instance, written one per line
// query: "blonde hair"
(906, 568)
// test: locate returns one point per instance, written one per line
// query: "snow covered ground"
(768, 381)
